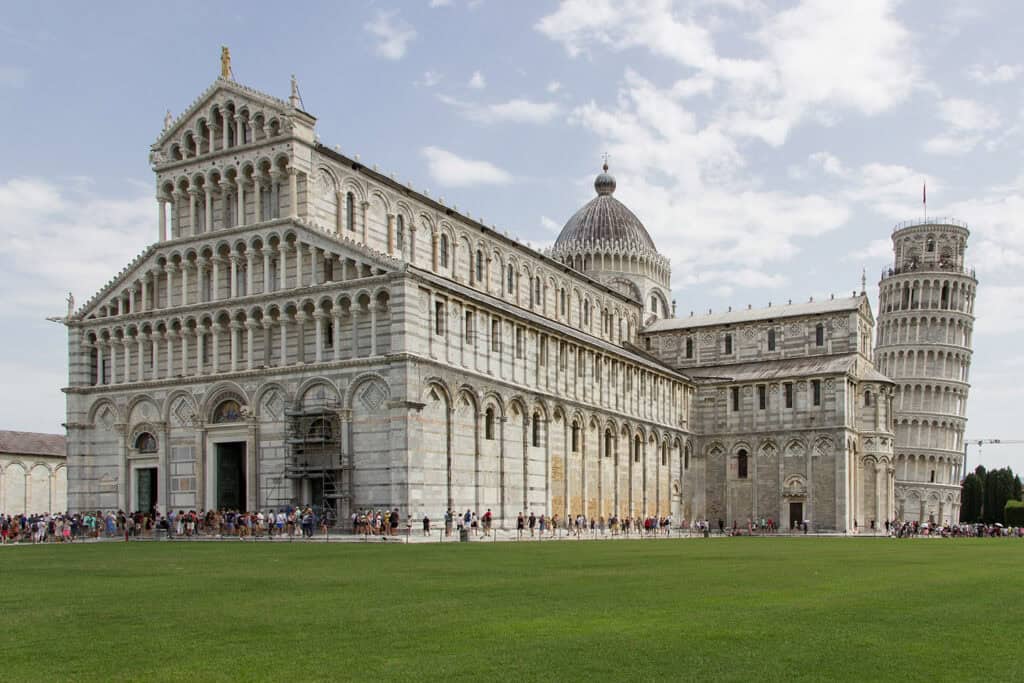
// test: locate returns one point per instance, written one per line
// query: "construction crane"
(981, 442)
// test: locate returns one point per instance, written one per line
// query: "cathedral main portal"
(231, 482)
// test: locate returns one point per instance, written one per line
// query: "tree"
(998, 490)
(972, 496)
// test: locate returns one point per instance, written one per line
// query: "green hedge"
(1013, 513)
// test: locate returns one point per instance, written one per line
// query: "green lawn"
(740, 609)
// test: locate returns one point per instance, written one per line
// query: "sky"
(769, 147)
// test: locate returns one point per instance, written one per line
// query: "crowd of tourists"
(303, 522)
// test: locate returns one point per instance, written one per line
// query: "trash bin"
(463, 535)
(707, 533)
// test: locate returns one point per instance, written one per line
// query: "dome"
(604, 219)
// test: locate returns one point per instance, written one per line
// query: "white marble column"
(215, 348)
(240, 197)
(215, 285)
(184, 283)
(300, 337)
(200, 343)
(193, 211)
(283, 328)
(113, 361)
(163, 218)
(234, 275)
(293, 190)
(250, 326)
(139, 357)
(282, 266)
(235, 328)
(266, 268)
(125, 342)
(336, 340)
(319, 318)
(248, 273)
(170, 336)
(208, 206)
(373, 328)
(185, 334)
(299, 258)
(257, 206)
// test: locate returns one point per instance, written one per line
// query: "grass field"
(739, 609)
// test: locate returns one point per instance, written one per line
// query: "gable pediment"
(249, 114)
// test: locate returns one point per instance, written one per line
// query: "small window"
(654, 304)
(741, 465)
(511, 279)
(636, 449)
(932, 478)
(329, 335)
(735, 398)
(350, 211)
(762, 396)
(537, 300)
(489, 424)
(819, 335)
(867, 399)
(442, 251)
(816, 391)
(930, 245)
(495, 335)
(607, 443)
(575, 437)
(586, 313)
(439, 317)
(561, 297)
(519, 342)
(400, 232)
(647, 343)
(728, 344)
(535, 440)
(470, 328)
(542, 352)
(479, 265)
(788, 388)
(664, 455)
(771, 340)
(689, 347)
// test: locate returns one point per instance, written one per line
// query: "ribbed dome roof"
(604, 219)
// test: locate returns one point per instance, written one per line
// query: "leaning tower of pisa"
(925, 325)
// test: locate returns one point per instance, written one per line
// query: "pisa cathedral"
(307, 329)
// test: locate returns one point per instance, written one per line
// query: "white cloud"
(441, 3)
(12, 76)
(516, 110)
(430, 79)
(966, 121)
(59, 239)
(553, 87)
(999, 309)
(451, 170)
(817, 59)
(477, 81)
(550, 225)
(990, 75)
(393, 33)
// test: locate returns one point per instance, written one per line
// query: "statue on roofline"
(225, 62)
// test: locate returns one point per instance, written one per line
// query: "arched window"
(636, 449)
(741, 465)
(819, 335)
(562, 303)
(607, 443)
(535, 440)
(771, 340)
(320, 430)
(536, 291)
(686, 457)
(511, 278)
(689, 347)
(489, 424)
(400, 232)
(145, 443)
(575, 436)
(930, 245)
(350, 211)
(728, 344)
(867, 398)
(479, 265)
(586, 312)
(654, 304)
(442, 251)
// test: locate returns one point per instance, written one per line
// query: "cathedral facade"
(307, 329)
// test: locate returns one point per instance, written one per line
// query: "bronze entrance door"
(231, 476)
(796, 515)
(145, 489)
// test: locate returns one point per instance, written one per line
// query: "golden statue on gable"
(225, 62)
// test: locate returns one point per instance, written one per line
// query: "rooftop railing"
(928, 266)
(915, 222)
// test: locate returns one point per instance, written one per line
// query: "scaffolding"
(316, 455)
